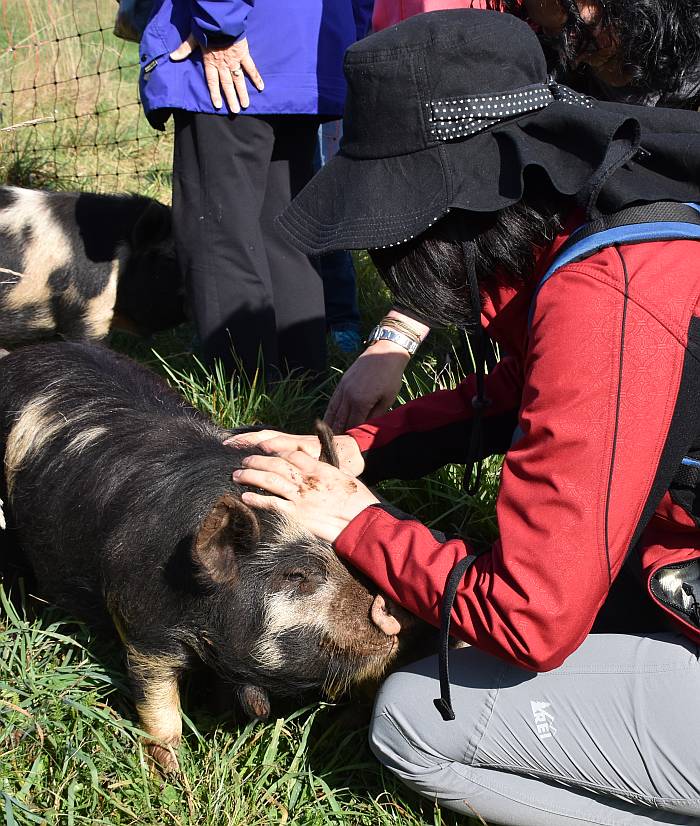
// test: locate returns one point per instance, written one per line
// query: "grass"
(70, 750)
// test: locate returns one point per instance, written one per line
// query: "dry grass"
(69, 102)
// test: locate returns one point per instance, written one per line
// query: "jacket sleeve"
(362, 11)
(574, 489)
(434, 430)
(219, 21)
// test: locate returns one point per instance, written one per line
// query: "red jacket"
(605, 389)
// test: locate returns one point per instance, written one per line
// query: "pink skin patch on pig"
(382, 618)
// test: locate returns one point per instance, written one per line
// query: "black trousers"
(248, 288)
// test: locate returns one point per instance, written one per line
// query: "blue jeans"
(336, 269)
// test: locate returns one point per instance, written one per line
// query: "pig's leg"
(154, 679)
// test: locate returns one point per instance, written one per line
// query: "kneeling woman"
(466, 173)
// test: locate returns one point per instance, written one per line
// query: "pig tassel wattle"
(328, 455)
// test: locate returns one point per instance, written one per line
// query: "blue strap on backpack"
(660, 221)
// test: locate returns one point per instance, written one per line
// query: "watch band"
(380, 333)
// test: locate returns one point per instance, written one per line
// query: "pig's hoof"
(164, 758)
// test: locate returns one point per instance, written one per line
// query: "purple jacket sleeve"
(219, 21)
(362, 9)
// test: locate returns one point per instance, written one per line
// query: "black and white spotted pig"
(73, 265)
(121, 497)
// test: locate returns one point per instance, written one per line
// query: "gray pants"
(611, 737)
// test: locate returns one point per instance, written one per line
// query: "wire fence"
(70, 116)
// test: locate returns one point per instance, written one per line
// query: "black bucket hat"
(449, 109)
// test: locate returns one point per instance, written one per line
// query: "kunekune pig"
(120, 495)
(74, 265)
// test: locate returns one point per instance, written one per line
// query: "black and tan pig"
(121, 497)
(75, 265)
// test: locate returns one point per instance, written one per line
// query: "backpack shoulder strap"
(660, 221)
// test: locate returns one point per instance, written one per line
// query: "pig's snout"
(382, 617)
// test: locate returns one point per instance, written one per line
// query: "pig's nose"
(382, 618)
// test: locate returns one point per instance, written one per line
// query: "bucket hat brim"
(356, 203)
(361, 204)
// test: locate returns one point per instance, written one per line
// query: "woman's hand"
(369, 386)
(322, 498)
(224, 68)
(275, 443)
(372, 383)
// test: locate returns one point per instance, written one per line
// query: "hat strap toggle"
(461, 117)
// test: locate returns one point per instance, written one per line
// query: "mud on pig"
(120, 495)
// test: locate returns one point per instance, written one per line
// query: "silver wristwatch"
(380, 333)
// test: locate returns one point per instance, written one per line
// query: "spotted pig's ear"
(229, 529)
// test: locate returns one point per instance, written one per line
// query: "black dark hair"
(427, 275)
(659, 45)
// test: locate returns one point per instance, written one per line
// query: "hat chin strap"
(480, 401)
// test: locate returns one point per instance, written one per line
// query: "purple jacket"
(297, 45)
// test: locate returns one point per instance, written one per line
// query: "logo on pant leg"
(544, 720)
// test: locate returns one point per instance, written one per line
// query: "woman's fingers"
(241, 90)
(211, 73)
(230, 89)
(274, 464)
(282, 477)
(267, 480)
(251, 439)
(274, 442)
(287, 477)
(266, 503)
(306, 464)
(249, 67)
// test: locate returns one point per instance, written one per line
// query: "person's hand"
(275, 443)
(320, 497)
(223, 68)
(369, 386)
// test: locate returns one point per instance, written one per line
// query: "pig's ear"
(154, 225)
(229, 529)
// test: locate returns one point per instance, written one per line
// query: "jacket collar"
(506, 303)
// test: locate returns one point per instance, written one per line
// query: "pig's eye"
(296, 577)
